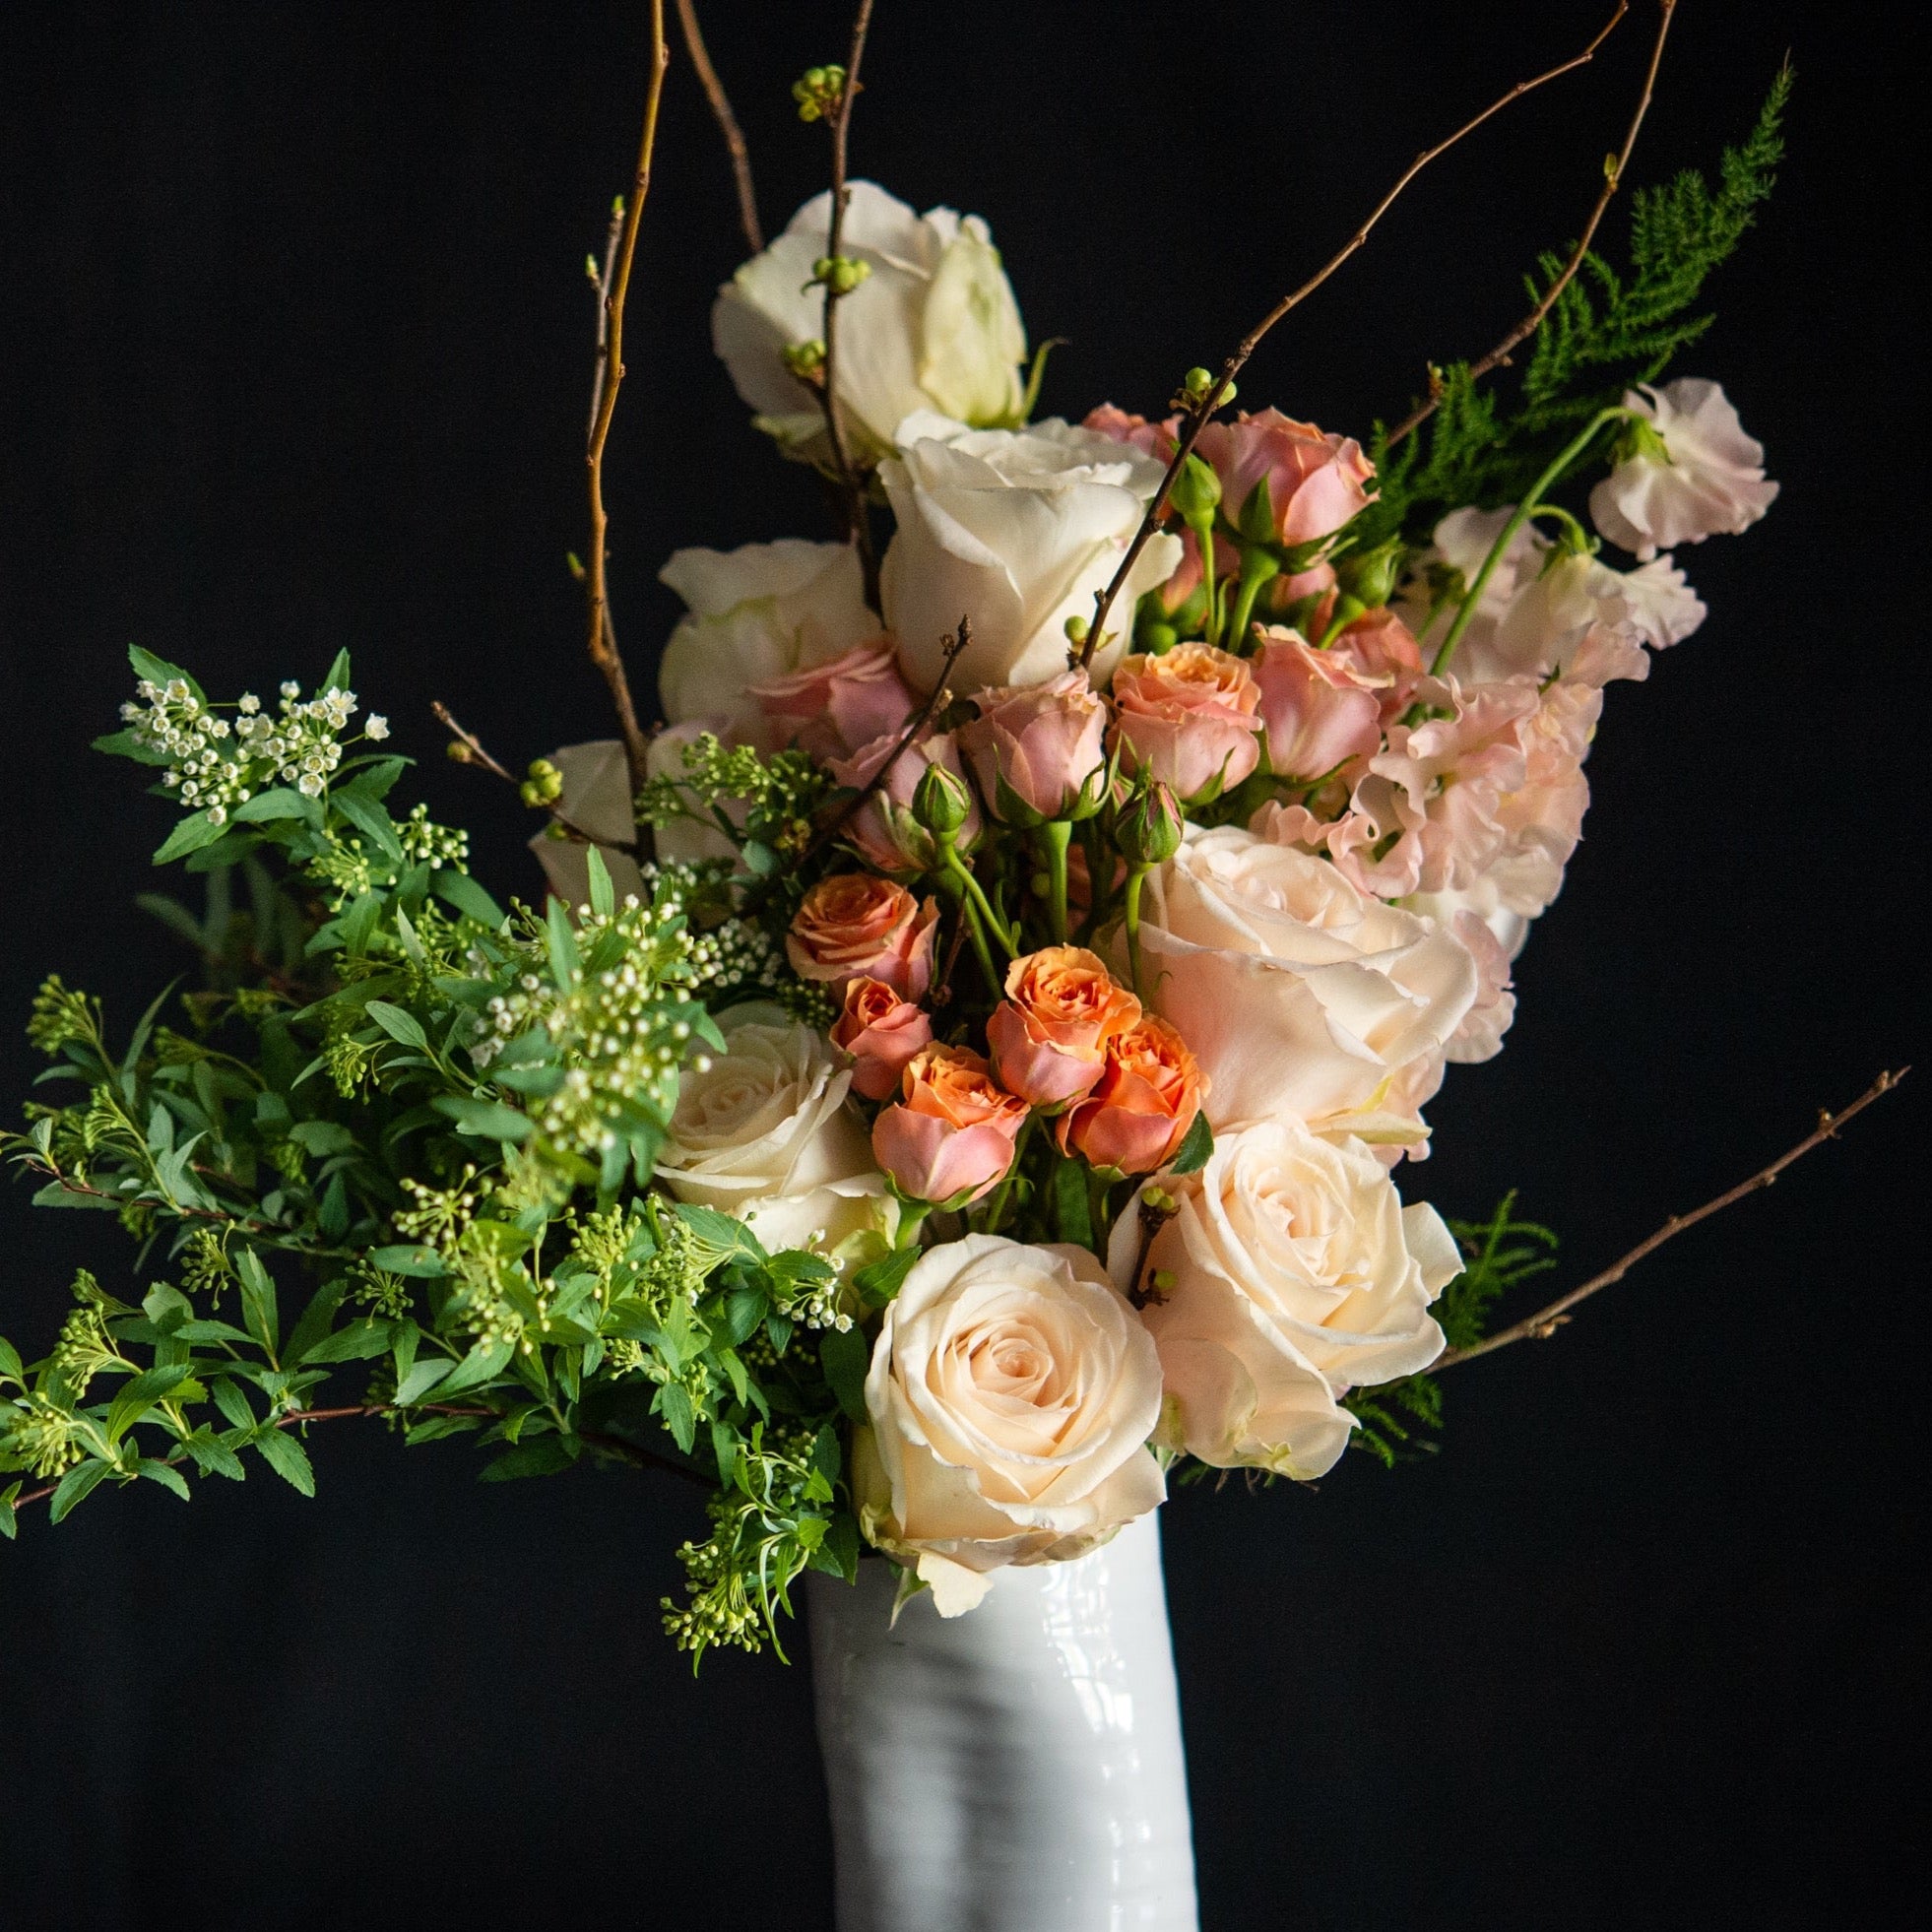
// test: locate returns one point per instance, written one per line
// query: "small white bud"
(377, 727)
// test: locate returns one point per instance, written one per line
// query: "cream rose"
(765, 1133)
(1012, 1394)
(1291, 1275)
(934, 325)
(596, 799)
(1299, 994)
(758, 614)
(1018, 530)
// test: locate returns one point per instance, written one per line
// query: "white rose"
(596, 799)
(767, 1123)
(1296, 1274)
(759, 612)
(1299, 994)
(1692, 474)
(1012, 1394)
(932, 326)
(1018, 530)
(688, 840)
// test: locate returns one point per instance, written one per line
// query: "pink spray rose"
(878, 1033)
(1042, 741)
(831, 710)
(954, 1131)
(1319, 709)
(1145, 1101)
(884, 829)
(1156, 440)
(1049, 1034)
(858, 926)
(1189, 718)
(1381, 646)
(1313, 482)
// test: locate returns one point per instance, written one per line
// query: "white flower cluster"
(215, 766)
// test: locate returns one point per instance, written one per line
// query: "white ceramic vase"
(1015, 1770)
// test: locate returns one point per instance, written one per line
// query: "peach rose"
(859, 926)
(1319, 709)
(878, 1033)
(1382, 648)
(1050, 1035)
(831, 710)
(952, 1135)
(1285, 481)
(1040, 742)
(1148, 1094)
(1189, 718)
(884, 829)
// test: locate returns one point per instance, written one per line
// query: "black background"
(296, 355)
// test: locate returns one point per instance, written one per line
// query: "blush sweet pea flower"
(950, 1137)
(1309, 483)
(1319, 709)
(1693, 474)
(878, 1033)
(1039, 747)
(1189, 718)
(1140, 1111)
(1051, 1033)
(833, 709)
(858, 926)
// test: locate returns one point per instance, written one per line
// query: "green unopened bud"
(818, 90)
(457, 752)
(544, 785)
(805, 360)
(941, 802)
(841, 273)
(1076, 629)
(1196, 493)
(1195, 386)
(1149, 827)
(1369, 576)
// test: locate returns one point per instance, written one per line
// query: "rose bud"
(1036, 749)
(1319, 709)
(884, 830)
(859, 926)
(1149, 826)
(950, 1138)
(1049, 1036)
(1188, 718)
(943, 802)
(1137, 1115)
(830, 710)
(1286, 482)
(878, 1033)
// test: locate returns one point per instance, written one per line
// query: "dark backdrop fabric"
(296, 355)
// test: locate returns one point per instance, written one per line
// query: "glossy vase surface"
(1018, 1768)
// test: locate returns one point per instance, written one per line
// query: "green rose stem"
(1527, 508)
(969, 924)
(1054, 836)
(1132, 916)
(996, 1210)
(912, 1217)
(965, 883)
(1258, 570)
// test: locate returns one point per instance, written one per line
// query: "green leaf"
(359, 1341)
(371, 821)
(57, 1194)
(163, 1473)
(675, 1405)
(321, 1137)
(438, 1426)
(141, 1395)
(846, 1359)
(482, 1364)
(338, 677)
(602, 900)
(378, 780)
(288, 1458)
(212, 1331)
(488, 1119)
(420, 1379)
(722, 1237)
(398, 1024)
(124, 745)
(562, 942)
(213, 1458)
(881, 1282)
(258, 1301)
(548, 1455)
(174, 916)
(408, 1259)
(234, 1404)
(76, 1486)
(158, 670)
(190, 835)
(10, 1363)
(1194, 1148)
(284, 802)
(837, 1554)
(9, 1528)
(463, 892)
(1070, 1210)
(316, 1317)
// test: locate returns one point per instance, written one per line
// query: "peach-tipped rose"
(951, 1138)
(832, 710)
(859, 926)
(1135, 1120)
(1050, 1035)
(878, 1033)
(1310, 483)
(1319, 709)
(1036, 746)
(1189, 718)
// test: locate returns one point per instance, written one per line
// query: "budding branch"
(721, 108)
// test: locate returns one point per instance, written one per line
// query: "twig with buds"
(1212, 393)
(721, 110)
(1547, 1320)
(467, 748)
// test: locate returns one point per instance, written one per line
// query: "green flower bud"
(941, 802)
(1196, 493)
(805, 360)
(841, 273)
(817, 91)
(1195, 388)
(1076, 629)
(1369, 576)
(1148, 829)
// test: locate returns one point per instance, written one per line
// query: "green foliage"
(1608, 329)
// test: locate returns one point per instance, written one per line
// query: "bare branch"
(721, 108)
(1547, 1320)
(476, 752)
(1613, 175)
(600, 639)
(1197, 419)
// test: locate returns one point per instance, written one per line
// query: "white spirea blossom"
(1695, 473)
(932, 326)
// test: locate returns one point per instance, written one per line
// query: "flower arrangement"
(957, 1086)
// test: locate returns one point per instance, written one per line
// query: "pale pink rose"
(883, 830)
(1313, 482)
(1382, 647)
(858, 926)
(1043, 741)
(1146, 1099)
(1319, 710)
(1050, 1035)
(1188, 717)
(1710, 479)
(1155, 439)
(954, 1131)
(877, 1034)
(830, 710)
